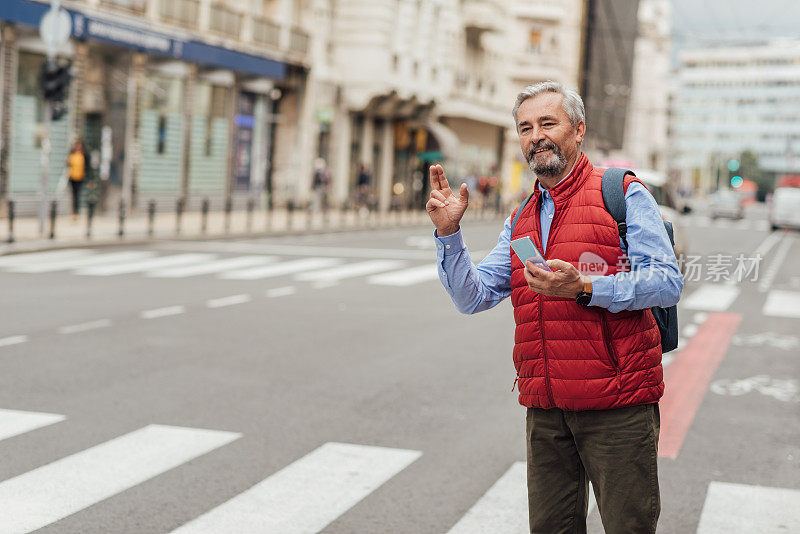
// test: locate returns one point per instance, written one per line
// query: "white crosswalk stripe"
(34, 258)
(320, 271)
(15, 422)
(54, 491)
(82, 261)
(782, 304)
(212, 267)
(145, 265)
(406, 277)
(308, 494)
(742, 508)
(349, 270)
(711, 297)
(281, 269)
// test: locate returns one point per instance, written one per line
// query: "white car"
(785, 208)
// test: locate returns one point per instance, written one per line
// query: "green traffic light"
(733, 165)
(737, 182)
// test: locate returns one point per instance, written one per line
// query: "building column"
(133, 120)
(306, 134)
(9, 55)
(285, 17)
(189, 85)
(386, 166)
(342, 137)
(77, 114)
(367, 143)
(233, 109)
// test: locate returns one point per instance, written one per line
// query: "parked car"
(784, 209)
(728, 204)
(667, 200)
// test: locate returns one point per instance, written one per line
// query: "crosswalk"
(149, 264)
(309, 493)
(704, 221)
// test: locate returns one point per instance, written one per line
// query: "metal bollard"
(228, 209)
(10, 221)
(204, 216)
(251, 204)
(121, 231)
(90, 218)
(53, 208)
(268, 214)
(309, 215)
(151, 217)
(178, 215)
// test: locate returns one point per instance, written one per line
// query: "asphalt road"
(140, 397)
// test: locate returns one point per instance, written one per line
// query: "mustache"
(541, 144)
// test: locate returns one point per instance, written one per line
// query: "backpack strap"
(519, 212)
(614, 198)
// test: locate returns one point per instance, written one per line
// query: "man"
(587, 350)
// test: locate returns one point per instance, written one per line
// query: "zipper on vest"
(544, 352)
(612, 353)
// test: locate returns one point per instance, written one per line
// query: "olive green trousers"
(617, 450)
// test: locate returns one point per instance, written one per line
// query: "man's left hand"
(564, 281)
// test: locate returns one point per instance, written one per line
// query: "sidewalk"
(137, 228)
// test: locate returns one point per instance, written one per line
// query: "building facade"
(173, 98)
(734, 99)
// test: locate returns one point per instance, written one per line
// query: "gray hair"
(573, 103)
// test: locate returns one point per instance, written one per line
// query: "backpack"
(614, 200)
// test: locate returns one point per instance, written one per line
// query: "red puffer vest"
(567, 355)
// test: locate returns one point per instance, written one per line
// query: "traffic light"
(736, 182)
(55, 81)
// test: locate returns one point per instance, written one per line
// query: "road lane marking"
(711, 297)
(83, 327)
(15, 422)
(350, 270)
(145, 265)
(504, 508)
(228, 301)
(163, 312)
(54, 491)
(303, 250)
(12, 340)
(86, 261)
(688, 376)
(308, 494)
(742, 508)
(775, 265)
(782, 304)
(281, 291)
(689, 330)
(406, 277)
(324, 284)
(767, 244)
(35, 258)
(218, 266)
(281, 269)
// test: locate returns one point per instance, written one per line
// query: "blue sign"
(85, 27)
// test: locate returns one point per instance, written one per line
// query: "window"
(535, 42)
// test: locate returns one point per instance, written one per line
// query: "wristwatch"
(585, 296)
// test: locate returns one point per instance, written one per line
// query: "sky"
(698, 23)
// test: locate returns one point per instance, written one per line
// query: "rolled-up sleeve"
(474, 288)
(654, 278)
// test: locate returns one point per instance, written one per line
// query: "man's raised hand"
(444, 208)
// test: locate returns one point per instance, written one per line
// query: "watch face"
(583, 298)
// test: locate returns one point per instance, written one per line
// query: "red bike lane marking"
(688, 376)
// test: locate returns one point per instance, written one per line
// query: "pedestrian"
(587, 349)
(363, 182)
(320, 184)
(77, 165)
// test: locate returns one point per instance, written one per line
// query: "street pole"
(49, 36)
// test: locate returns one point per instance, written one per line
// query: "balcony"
(266, 32)
(298, 41)
(481, 16)
(137, 7)
(180, 12)
(225, 21)
(542, 10)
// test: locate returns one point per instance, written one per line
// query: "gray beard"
(553, 167)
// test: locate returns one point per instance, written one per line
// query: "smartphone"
(526, 250)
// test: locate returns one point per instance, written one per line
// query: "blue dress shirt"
(654, 278)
